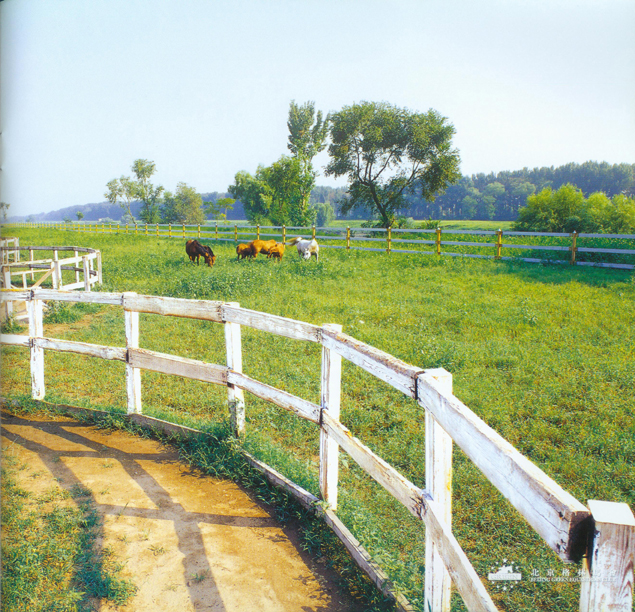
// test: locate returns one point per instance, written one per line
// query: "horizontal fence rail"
(602, 533)
(84, 266)
(572, 245)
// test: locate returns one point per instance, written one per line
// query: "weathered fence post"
(76, 254)
(133, 375)
(36, 330)
(499, 243)
(573, 248)
(169, 230)
(235, 233)
(199, 230)
(607, 580)
(257, 232)
(348, 238)
(437, 586)
(284, 234)
(235, 396)
(313, 233)
(388, 236)
(86, 273)
(57, 272)
(438, 241)
(331, 382)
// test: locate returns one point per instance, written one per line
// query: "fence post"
(76, 254)
(607, 580)
(199, 230)
(146, 229)
(499, 243)
(36, 330)
(157, 230)
(573, 248)
(348, 238)
(86, 273)
(100, 278)
(257, 232)
(284, 234)
(313, 233)
(235, 396)
(235, 233)
(216, 231)
(183, 230)
(438, 241)
(438, 460)
(331, 381)
(57, 272)
(133, 375)
(388, 237)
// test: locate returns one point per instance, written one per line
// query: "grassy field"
(544, 354)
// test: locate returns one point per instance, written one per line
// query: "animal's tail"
(294, 240)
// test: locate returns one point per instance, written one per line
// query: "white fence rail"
(84, 267)
(605, 531)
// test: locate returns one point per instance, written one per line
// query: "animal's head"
(306, 255)
(210, 258)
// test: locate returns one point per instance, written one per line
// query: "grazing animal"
(306, 248)
(276, 251)
(261, 246)
(195, 249)
(244, 250)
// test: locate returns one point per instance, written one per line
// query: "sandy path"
(190, 542)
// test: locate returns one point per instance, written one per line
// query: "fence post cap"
(617, 513)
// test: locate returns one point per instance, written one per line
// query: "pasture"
(543, 354)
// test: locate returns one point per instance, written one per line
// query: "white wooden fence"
(605, 531)
(84, 267)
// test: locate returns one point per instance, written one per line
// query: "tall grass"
(544, 354)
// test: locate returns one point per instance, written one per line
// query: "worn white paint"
(330, 391)
(133, 374)
(235, 395)
(438, 585)
(36, 330)
(547, 507)
(607, 583)
(81, 348)
(177, 307)
(303, 408)
(280, 326)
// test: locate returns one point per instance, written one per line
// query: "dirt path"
(191, 542)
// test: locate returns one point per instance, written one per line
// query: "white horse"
(306, 248)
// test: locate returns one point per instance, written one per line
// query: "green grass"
(50, 557)
(542, 353)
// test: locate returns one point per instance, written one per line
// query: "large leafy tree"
(386, 152)
(250, 190)
(122, 191)
(184, 206)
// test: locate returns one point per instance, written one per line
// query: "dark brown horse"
(195, 249)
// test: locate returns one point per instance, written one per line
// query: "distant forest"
(480, 196)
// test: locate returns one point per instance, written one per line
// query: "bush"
(566, 210)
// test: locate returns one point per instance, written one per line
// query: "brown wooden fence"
(605, 531)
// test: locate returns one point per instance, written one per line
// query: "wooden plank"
(365, 562)
(177, 307)
(330, 392)
(614, 251)
(395, 372)
(36, 330)
(82, 348)
(607, 583)
(438, 465)
(15, 340)
(386, 475)
(463, 575)
(177, 366)
(555, 514)
(274, 324)
(133, 374)
(306, 499)
(235, 395)
(114, 299)
(12, 295)
(299, 406)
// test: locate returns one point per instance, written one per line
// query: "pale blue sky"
(202, 87)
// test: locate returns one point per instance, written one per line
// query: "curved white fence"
(603, 531)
